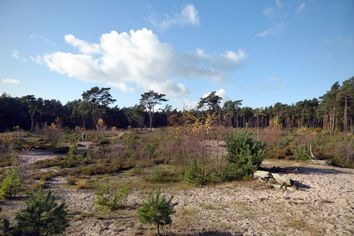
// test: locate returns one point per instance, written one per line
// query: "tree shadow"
(300, 185)
(207, 233)
(14, 199)
(301, 170)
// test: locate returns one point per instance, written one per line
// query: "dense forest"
(334, 111)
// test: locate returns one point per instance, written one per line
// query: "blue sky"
(261, 52)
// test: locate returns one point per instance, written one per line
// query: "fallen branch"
(275, 178)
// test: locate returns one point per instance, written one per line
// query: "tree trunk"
(83, 123)
(345, 118)
(32, 123)
(150, 120)
(158, 229)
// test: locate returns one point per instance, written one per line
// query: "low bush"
(162, 174)
(245, 155)
(157, 210)
(195, 174)
(302, 153)
(7, 158)
(42, 216)
(11, 184)
(111, 199)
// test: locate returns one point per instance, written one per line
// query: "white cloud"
(42, 38)
(275, 29)
(16, 55)
(37, 59)
(200, 53)
(83, 46)
(277, 15)
(235, 56)
(190, 15)
(137, 59)
(301, 7)
(220, 92)
(187, 16)
(263, 33)
(10, 81)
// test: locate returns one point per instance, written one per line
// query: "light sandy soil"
(324, 206)
(29, 157)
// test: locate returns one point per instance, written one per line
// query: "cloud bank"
(137, 59)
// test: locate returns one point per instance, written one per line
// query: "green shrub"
(90, 153)
(302, 153)
(72, 153)
(162, 174)
(111, 199)
(195, 174)
(245, 155)
(11, 185)
(42, 216)
(337, 148)
(130, 140)
(157, 210)
(7, 158)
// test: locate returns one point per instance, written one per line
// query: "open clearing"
(324, 206)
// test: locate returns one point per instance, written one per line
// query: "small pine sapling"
(157, 210)
(42, 216)
(11, 185)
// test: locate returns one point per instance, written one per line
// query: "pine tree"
(11, 185)
(42, 216)
(149, 100)
(157, 210)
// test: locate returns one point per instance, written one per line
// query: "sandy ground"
(29, 157)
(324, 206)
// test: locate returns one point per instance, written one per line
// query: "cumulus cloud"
(10, 81)
(187, 16)
(84, 47)
(301, 7)
(137, 59)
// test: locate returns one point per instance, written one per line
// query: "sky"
(262, 52)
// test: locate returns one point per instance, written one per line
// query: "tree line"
(334, 111)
